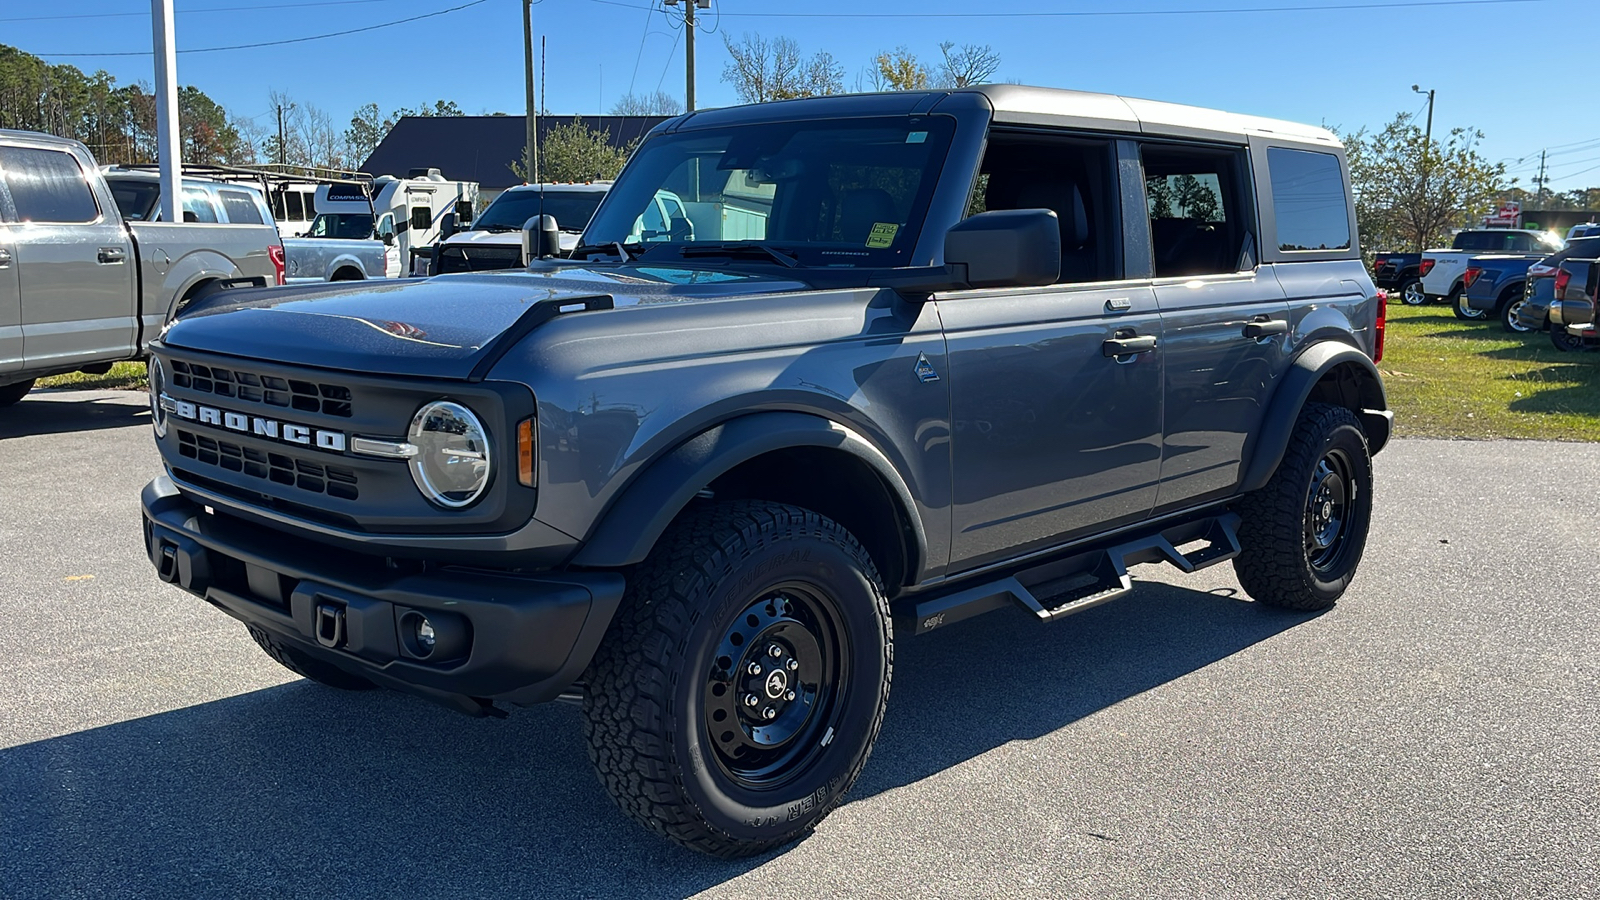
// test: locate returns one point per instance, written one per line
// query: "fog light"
(437, 637)
(426, 637)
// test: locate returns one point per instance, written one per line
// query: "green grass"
(124, 376)
(1446, 378)
(1450, 378)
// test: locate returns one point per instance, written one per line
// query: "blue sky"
(1340, 67)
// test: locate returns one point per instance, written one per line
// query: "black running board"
(1086, 578)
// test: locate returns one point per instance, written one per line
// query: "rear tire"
(1411, 293)
(303, 665)
(1302, 535)
(696, 727)
(1566, 341)
(1458, 302)
(12, 393)
(1508, 314)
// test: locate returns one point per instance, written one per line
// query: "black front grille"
(275, 467)
(478, 258)
(269, 390)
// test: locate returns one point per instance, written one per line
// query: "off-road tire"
(12, 393)
(647, 703)
(1275, 563)
(305, 666)
(1458, 305)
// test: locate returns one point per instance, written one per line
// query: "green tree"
(368, 127)
(1410, 191)
(575, 152)
(762, 70)
(899, 70)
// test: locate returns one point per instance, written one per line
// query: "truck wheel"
(1458, 302)
(13, 393)
(742, 685)
(316, 670)
(1301, 535)
(1411, 293)
(1508, 314)
(1566, 341)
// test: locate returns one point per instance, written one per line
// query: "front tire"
(1302, 535)
(743, 683)
(13, 393)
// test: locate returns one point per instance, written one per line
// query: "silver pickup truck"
(80, 288)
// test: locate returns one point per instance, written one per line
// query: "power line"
(298, 40)
(188, 12)
(1406, 4)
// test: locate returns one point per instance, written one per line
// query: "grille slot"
(268, 390)
(279, 468)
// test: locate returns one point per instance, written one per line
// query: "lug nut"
(774, 650)
(751, 700)
(769, 714)
(792, 664)
(753, 669)
(789, 695)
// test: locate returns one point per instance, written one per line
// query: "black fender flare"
(634, 522)
(1283, 410)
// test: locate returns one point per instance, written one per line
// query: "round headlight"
(452, 464)
(158, 386)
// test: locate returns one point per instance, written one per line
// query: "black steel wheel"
(14, 392)
(1302, 535)
(739, 691)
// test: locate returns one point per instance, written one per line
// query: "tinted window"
(1308, 200)
(1581, 248)
(136, 200)
(421, 217)
(572, 209)
(241, 208)
(197, 207)
(1070, 176)
(47, 186)
(1193, 196)
(347, 226)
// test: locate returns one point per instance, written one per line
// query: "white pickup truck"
(1443, 269)
(80, 287)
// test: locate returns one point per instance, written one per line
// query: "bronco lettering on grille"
(286, 432)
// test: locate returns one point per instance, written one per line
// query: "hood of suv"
(433, 328)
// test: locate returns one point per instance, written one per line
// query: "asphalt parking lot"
(1433, 735)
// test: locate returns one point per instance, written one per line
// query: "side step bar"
(1090, 578)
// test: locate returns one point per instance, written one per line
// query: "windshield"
(849, 192)
(345, 226)
(136, 200)
(508, 212)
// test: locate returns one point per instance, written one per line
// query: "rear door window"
(1308, 200)
(241, 208)
(47, 186)
(1194, 196)
(197, 207)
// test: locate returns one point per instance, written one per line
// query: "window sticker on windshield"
(882, 234)
(916, 137)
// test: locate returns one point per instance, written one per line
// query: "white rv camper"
(404, 213)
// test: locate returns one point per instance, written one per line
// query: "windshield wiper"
(731, 249)
(498, 229)
(584, 251)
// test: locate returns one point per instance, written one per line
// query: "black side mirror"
(1006, 248)
(1003, 248)
(541, 239)
(447, 225)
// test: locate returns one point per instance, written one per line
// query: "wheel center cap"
(1327, 509)
(777, 683)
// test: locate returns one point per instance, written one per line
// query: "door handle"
(1126, 343)
(1265, 326)
(111, 255)
(5, 258)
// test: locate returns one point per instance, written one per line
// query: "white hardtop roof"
(1109, 112)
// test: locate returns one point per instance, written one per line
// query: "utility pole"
(531, 151)
(169, 150)
(283, 147)
(688, 61)
(1541, 178)
(1427, 149)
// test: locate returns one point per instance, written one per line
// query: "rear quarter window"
(1308, 200)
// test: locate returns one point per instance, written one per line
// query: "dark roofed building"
(481, 148)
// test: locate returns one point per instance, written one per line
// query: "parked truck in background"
(1397, 274)
(81, 287)
(1577, 302)
(1442, 270)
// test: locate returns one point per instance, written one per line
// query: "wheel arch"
(1329, 372)
(789, 457)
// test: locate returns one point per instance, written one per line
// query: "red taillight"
(1563, 278)
(276, 252)
(1377, 328)
(1379, 262)
(1472, 275)
(1426, 266)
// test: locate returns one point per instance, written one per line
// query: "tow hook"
(330, 625)
(167, 565)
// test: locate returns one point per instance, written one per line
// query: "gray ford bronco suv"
(912, 357)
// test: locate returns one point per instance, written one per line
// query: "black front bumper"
(512, 637)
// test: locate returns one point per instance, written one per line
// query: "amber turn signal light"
(525, 453)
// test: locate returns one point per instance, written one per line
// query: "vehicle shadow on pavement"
(64, 415)
(300, 790)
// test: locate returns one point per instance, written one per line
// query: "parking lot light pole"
(168, 148)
